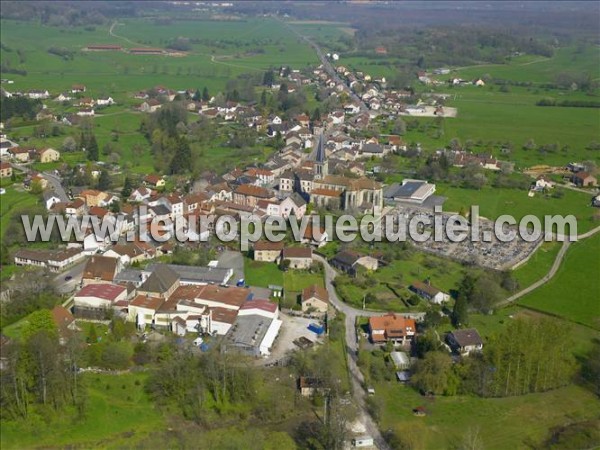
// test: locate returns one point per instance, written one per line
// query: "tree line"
(527, 356)
(41, 373)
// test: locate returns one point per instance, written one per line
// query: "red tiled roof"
(104, 291)
(265, 305)
(315, 291)
(297, 252)
(268, 246)
(144, 301)
(253, 191)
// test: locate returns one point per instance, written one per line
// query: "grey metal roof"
(248, 331)
(406, 190)
(128, 276)
(195, 274)
(160, 280)
(321, 156)
(160, 210)
(372, 148)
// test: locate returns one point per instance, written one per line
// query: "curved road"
(555, 266)
(356, 376)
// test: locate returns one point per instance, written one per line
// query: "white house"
(429, 292)
(465, 341)
(50, 199)
(105, 101)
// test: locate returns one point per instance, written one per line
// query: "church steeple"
(321, 165)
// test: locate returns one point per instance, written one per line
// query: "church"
(340, 192)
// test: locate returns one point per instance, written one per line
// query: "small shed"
(363, 441)
(400, 359)
(403, 376)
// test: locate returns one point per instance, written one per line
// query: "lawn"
(12, 200)
(294, 281)
(262, 274)
(574, 292)
(221, 51)
(396, 277)
(501, 422)
(494, 202)
(118, 409)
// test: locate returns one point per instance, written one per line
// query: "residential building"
(315, 299)
(249, 195)
(154, 181)
(46, 155)
(19, 154)
(298, 257)
(53, 260)
(267, 251)
(293, 205)
(429, 292)
(584, 179)
(127, 253)
(465, 341)
(349, 262)
(6, 170)
(100, 270)
(392, 328)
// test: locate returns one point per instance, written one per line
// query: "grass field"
(262, 274)
(118, 409)
(538, 265)
(501, 423)
(417, 266)
(493, 202)
(538, 69)
(223, 51)
(574, 292)
(12, 200)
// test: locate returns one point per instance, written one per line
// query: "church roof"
(321, 155)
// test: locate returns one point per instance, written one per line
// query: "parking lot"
(292, 329)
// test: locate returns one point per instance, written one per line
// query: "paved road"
(57, 186)
(75, 272)
(356, 376)
(329, 68)
(552, 271)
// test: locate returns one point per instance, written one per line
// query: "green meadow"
(574, 292)
(223, 51)
(494, 202)
(13, 200)
(500, 423)
(118, 410)
(537, 265)
(538, 69)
